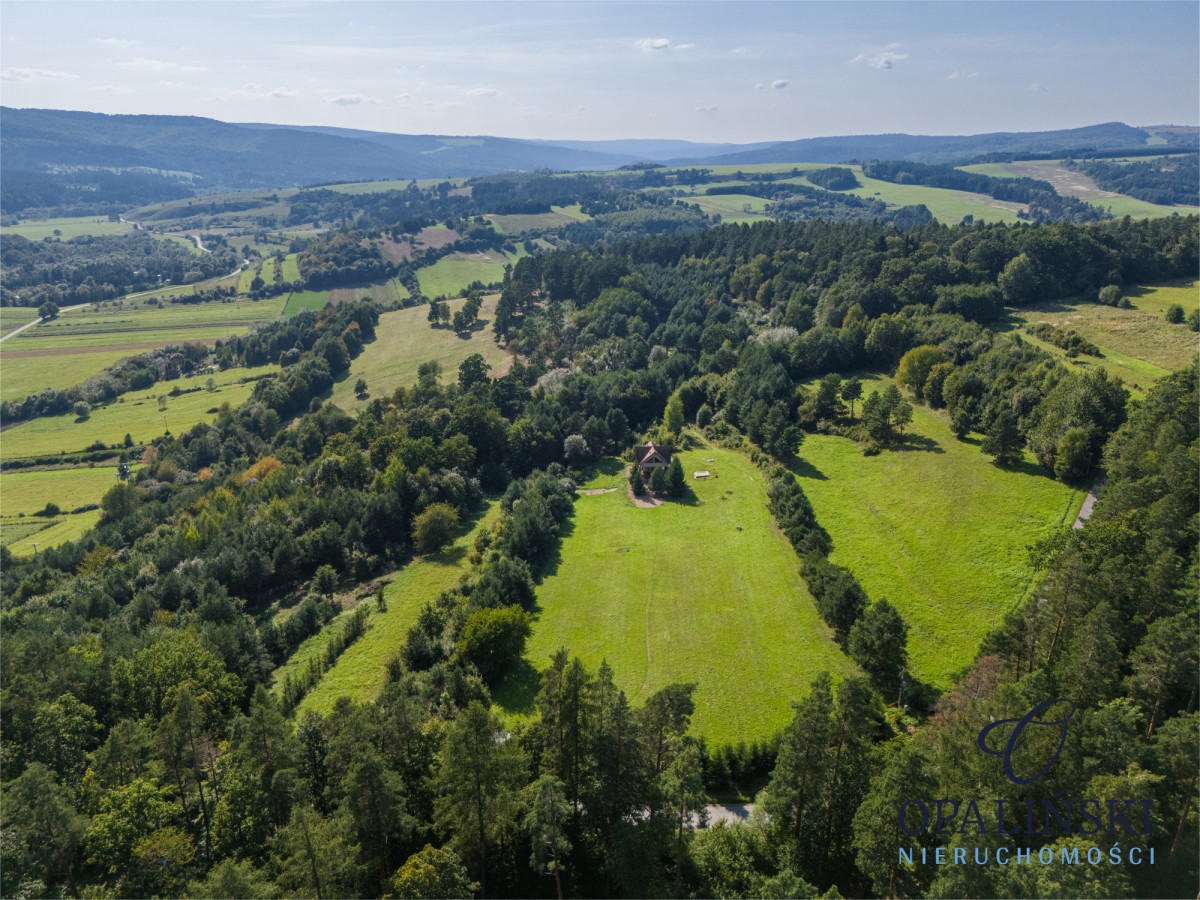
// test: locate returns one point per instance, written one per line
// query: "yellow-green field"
(305, 300)
(732, 208)
(360, 671)
(60, 530)
(706, 590)
(556, 218)
(25, 375)
(137, 413)
(935, 528)
(404, 340)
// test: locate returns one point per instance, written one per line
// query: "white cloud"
(1037, 88)
(706, 109)
(112, 88)
(738, 50)
(651, 44)
(684, 47)
(280, 93)
(961, 73)
(884, 60)
(247, 92)
(779, 84)
(484, 92)
(117, 42)
(15, 73)
(348, 100)
(760, 87)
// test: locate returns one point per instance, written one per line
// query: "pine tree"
(676, 483)
(636, 483)
(1003, 441)
(658, 480)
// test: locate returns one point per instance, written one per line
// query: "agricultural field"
(142, 324)
(138, 413)
(1138, 344)
(451, 274)
(57, 531)
(705, 590)
(37, 229)
(936, 529)
(1070, 183)
(404, 340)
(15, 316)
(360, 671)
(299, 300)
(22, 375)
(23, 493)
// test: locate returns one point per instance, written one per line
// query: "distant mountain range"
(52, 158)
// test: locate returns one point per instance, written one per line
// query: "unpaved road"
(17, 331)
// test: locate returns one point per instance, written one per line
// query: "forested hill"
(56, 158)
(145, 754)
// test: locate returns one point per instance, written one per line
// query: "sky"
(704, 71)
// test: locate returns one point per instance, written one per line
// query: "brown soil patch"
(106, 348)
(396, 251)
(437, 237)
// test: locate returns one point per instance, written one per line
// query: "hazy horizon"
(713, 73)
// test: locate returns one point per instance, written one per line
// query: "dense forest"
(86, 269)
(144, 753)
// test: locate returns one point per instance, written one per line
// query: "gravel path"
(17, 331)
(1085, 511)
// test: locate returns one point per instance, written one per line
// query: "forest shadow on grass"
(802, 468)
(517, 693)
(550, 566)
(920, 442)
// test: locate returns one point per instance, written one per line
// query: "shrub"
(1174, 314)
(434, 527)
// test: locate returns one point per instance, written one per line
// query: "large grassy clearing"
(732, 208)
(384, 294)
(1139, 346)
(935, 528)
(451, 274)
(136, 413)
(361, 671)
(679, 594)
(404, 340)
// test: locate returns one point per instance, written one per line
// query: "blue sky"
(713, 71)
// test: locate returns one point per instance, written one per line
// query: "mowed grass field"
(299, 300)
(384, 294)
(935, 528)
(404, 340)
(26, 542)
(679, 594)
(360, 671)
(450, 274)
(556, 218)
(138, 415)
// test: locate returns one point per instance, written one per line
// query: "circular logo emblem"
(1015, 740)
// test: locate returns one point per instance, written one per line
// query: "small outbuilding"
(703, 474)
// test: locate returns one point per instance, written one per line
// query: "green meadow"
(137, 413)
(290, 269)
(404, 340)
(935, 528)
(451, 274)
(706, 590)
(60, 530)
(732, 208)
(361, 671)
